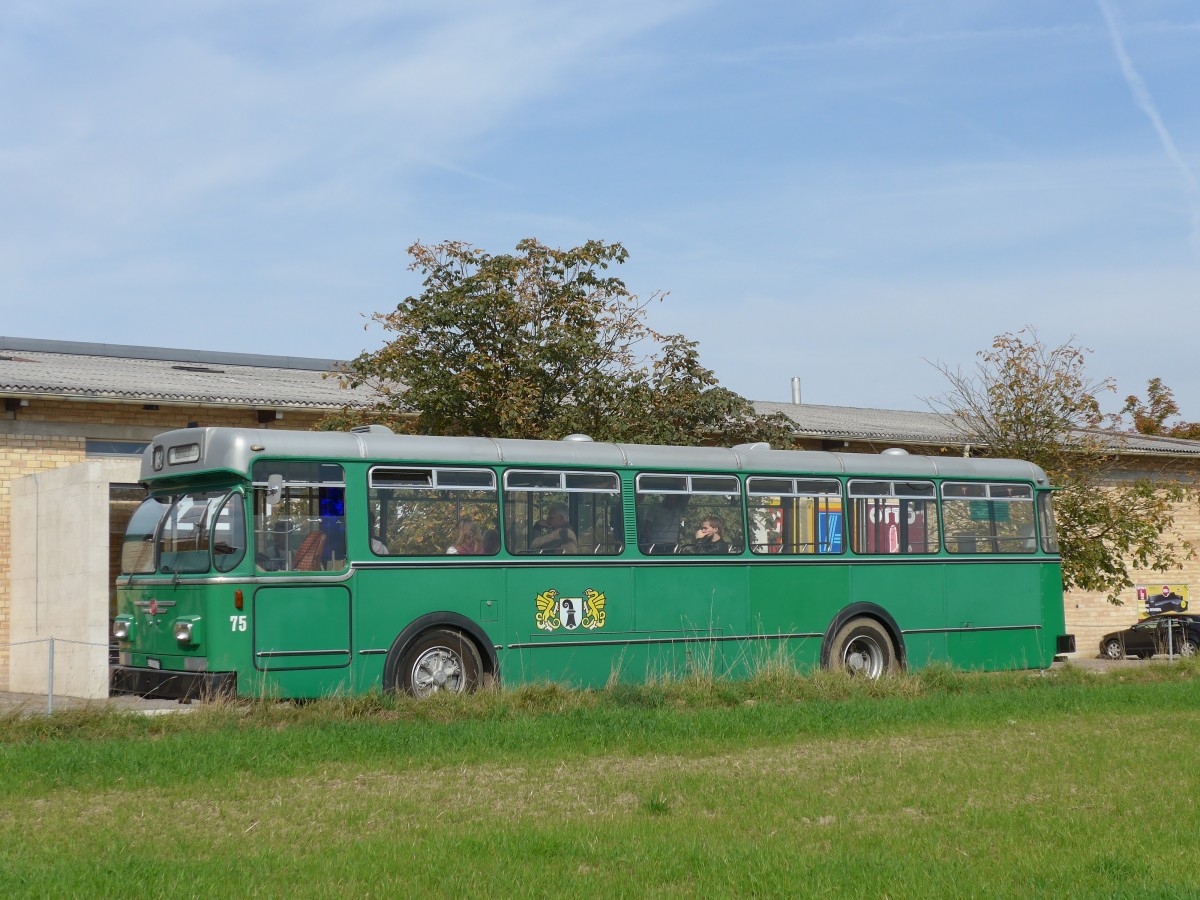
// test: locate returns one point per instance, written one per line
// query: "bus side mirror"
(274, 490)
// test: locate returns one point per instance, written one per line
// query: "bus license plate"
(153, 663)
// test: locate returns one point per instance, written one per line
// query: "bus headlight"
(187, 630)
(122, 628)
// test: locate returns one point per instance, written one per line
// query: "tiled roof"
(162, 375)
(851, 423)
(165, 375)
(900, 426)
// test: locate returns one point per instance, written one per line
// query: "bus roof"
(206, 450)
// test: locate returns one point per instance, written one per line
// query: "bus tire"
(440, 660)
(862, 647)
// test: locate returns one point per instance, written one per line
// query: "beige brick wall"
(50, 434)
(1090, 615)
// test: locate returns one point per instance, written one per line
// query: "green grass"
(933, 784)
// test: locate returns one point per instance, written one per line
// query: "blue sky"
(845, 191)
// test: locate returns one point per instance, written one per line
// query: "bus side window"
(553, 513)
(893, 517)
(794, 516)
(304, 530)
(989, 518)
(671, 509)
(419, 511)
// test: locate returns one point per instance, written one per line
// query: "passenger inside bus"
(553, 534)
(469, 542)
(710, 537)
(491, 542)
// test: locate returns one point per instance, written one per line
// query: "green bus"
(301, 564)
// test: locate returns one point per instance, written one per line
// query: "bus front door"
(301, 627)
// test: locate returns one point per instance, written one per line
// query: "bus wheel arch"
(439, 651)
(869, 632)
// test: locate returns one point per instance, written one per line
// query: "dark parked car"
(1151, 636)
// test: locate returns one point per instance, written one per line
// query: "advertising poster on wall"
(1153, 600)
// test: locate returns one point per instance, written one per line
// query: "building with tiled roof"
(840, 425)
(71, 371)
(69, 403)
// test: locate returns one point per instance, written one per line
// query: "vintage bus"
(302, 564)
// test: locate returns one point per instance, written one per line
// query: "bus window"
(563, 513)
(671, 509)
(431, 512)
(893, 517)
(988, 518)
(1046, 517)
(305, 531)
(137, 552)
(229, 534)
(184, 538)
(794, 516)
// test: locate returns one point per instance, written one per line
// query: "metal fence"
(51, 644)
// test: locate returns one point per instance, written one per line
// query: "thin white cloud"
(1145, 101)
(241, 110)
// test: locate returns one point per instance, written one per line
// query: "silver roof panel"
(235, 449)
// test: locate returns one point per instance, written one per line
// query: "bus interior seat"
(661, 549)
(308, 556)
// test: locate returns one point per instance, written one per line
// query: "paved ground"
(40, 703)
(1097, 664)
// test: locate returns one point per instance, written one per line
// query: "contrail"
(1142, 95)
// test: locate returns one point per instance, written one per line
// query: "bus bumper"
(171, 685)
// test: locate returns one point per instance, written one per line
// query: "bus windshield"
(179, 534)
(183, 543)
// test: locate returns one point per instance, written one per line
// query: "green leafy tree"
(1027, 400)
(541, 343)
(1151, 417)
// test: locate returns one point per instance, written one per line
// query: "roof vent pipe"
(796, 390)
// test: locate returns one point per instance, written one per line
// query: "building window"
(115, 448)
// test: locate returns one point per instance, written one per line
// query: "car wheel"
(1189, 646)
(1114, 650)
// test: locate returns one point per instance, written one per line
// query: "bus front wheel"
(437, 661)
(862, 647)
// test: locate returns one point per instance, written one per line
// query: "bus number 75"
(237, 623)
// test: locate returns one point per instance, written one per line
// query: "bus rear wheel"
(442, 660)
(862, 647)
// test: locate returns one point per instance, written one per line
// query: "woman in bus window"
(469, 541)
(709, 537)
